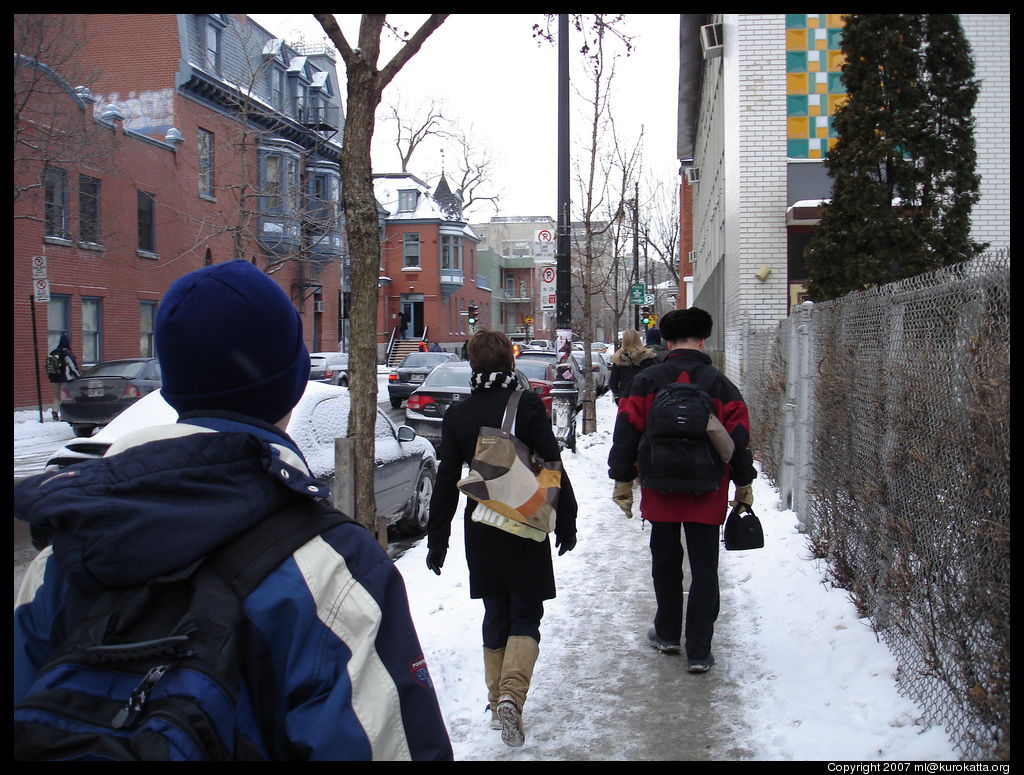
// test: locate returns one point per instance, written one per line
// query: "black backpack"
(155, 671)
(684, 444)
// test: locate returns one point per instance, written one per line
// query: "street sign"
(544, 235)
(548, 289)
(42, 289)
(38, 267)
(528, 320)
(636, 293)
(649, 298)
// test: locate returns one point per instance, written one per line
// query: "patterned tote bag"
(506, 479)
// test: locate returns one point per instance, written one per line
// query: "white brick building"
(756, 95)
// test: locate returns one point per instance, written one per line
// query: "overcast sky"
(496, 79)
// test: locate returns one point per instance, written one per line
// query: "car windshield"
(126, 369)
(533, 369)
(413, 360)
(546, 356)
(450, 374)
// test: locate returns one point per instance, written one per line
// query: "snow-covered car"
(331, 368)
(406, 464)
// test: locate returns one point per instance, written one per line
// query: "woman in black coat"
(513, 575)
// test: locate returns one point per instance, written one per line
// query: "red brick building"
(428, 262)
(199, 138)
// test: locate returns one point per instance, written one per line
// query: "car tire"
(343, 382)
(83, 431)
(396, 403)
(414, 522)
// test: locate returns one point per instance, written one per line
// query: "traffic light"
(645, 317)
(472, 314)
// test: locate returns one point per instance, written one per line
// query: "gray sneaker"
(700, 665)
(664, 646)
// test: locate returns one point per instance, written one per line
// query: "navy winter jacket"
(346, 674)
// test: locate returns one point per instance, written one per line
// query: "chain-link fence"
(883, 417)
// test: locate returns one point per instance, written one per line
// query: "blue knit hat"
(228, 337)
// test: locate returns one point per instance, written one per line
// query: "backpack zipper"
(137, 701)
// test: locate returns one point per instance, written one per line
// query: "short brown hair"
(490, 351)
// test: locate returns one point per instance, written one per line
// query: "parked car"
(542, 378)
(445, 385)
(601, 347)
(599, 366)
(566, 367)
(330, 368)
(410, 373)
(405, 463)
(106, 389)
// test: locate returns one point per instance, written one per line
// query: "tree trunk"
(364, 248)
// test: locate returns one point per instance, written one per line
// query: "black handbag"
(742, 531)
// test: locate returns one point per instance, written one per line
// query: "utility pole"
(636, 249)
(563, 297)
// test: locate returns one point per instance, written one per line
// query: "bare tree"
(597, 197)
(47, 131)
(659, 225)
(366, 83)
(473, 167)
(414, 126)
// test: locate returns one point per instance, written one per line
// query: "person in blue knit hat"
(328, 638)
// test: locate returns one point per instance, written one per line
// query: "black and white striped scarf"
(493, 380)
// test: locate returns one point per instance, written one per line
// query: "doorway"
(412, 309)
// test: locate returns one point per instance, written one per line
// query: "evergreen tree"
(903, 165)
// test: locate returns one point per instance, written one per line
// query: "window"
(147, 221)
(407, 200)
(323, 200)
(451, 252)
(147, 314)
(411, 250)
(213, 47)
(205, 163)
(58, 320)
(272, 182)
(277, 87)
(56, 203)
(88, 209)
(92, 340)
(300, 102)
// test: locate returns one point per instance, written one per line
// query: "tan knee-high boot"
(493, 660)
(521, 653)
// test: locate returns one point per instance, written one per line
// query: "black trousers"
(667, 571)
(509, 614)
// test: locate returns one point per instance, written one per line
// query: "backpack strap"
(250, 557)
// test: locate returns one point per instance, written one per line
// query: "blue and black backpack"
(159, 671)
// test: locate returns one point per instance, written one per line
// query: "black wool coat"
(498, 562)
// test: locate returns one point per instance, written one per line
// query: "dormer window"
(407, 200)
(212, 46)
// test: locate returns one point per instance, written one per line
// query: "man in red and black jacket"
(698, 515)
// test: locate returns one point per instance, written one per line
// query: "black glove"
(565, 543)
(435, 559)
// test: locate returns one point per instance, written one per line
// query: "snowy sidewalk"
(797, 675)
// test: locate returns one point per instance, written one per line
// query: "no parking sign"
(547, 288)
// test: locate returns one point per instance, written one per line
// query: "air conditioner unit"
(693, 175)
(318, 306)
(711, 40)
